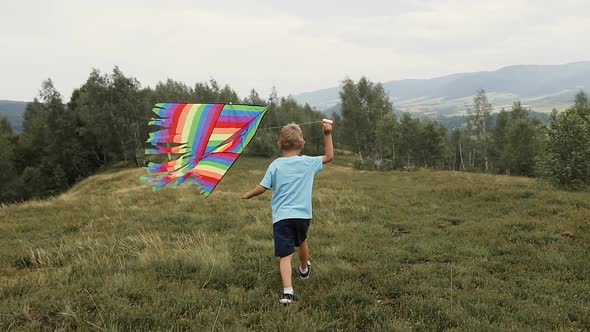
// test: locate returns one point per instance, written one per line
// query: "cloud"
(296, 46)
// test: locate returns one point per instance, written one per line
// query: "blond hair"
(291, 137)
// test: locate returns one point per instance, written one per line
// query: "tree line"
(516, 144)
(105, 122)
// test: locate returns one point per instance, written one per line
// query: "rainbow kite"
(204, 139)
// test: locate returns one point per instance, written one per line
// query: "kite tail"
(203, 189)
(146, 179)
(158, 122)
(168, 166)
(164, 150)
(164, 110)
(158, 182)
(162, 182)
(182, 179)
(164, 136)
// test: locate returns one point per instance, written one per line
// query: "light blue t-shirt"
(291, 180)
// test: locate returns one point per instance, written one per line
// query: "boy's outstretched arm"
(329, 156)
(259, 190)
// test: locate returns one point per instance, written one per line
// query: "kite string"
(299, 124)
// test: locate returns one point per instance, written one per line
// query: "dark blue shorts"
(288, 234)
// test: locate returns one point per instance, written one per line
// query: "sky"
(296, 46)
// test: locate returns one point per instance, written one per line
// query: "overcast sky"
(296, 46)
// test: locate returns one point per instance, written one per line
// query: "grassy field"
(391, 251)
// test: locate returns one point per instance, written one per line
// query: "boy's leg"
(303, 252)
(285, 268)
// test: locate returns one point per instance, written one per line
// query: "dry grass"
(391, 251)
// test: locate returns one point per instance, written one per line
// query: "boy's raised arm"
(329, 156)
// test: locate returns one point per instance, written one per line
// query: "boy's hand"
(329, 156)
(246, 196)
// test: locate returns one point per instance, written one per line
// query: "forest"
(105, 123)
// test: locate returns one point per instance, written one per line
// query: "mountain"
(542, 87)
(13, 110)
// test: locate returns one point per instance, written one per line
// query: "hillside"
(541, 87)
(14, 111)
(391, 251)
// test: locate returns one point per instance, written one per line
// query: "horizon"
(302, 92)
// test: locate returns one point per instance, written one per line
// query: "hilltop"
(391, 251)
(542, 87)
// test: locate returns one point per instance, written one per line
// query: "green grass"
(391, 251)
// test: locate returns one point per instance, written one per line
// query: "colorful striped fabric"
(204, 139)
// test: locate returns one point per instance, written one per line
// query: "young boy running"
(291, 179)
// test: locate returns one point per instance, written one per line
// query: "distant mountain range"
(13, 110)
(541, 87)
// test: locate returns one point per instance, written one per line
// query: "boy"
(291, 179)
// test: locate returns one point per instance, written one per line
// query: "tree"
(353, 121)
(566, 159)
(314, 136)
(518, 111)
(456, 141)
(173, 91)
(114, 112)
(32, 139)
(582, 105)
(409, 135)
(337, 134)
(5, 126)
(129, 116)
(227, 95)
(203, 93)
(499, 138)
(388, 138)
(273, 105)
(10, 187)
(95, 104)
(429, 143)
(480, 123)
(521, 148)
(254, 98)
(364, 104)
